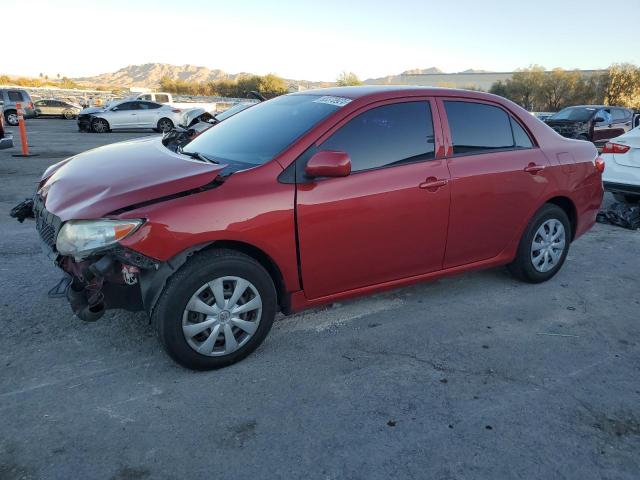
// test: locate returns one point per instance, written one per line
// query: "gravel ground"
(472, 377)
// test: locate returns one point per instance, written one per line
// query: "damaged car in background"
(593, 123)
(308, 199)
(197, 120)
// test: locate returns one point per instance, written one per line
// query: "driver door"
(382, 222)
(123, 115)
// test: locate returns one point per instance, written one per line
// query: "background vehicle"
(10, 97)
(542, 115)
(167, 98)
(595, 123)
(310, 198)
(57, 108)
(130, 114)
(622, 173)
(6, 141)
(197, 120)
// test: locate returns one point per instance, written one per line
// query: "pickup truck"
(167, 98)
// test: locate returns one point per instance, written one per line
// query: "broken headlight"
(79, 238)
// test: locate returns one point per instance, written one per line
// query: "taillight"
(176, 110)
(599, 164)
(610, 147)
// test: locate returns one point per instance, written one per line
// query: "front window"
(576, 114)
(257, 134)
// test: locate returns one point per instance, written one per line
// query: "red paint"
(357, 234)
(328, 163)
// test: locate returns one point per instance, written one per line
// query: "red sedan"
(310, 198)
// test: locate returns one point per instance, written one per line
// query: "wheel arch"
(153, 285)
(566, 204)
(263, 259)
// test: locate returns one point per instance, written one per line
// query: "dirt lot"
(471, 377)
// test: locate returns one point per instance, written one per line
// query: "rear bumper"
(622, 188)
(6, 142)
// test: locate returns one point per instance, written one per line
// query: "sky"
(312, 40)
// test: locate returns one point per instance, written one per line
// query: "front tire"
(100, 125)
(216, 310)
(164, 125)
(544, 245)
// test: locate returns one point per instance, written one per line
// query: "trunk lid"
(100, 181)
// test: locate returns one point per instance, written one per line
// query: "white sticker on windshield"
(330, 100)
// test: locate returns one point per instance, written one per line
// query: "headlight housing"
(80, 238)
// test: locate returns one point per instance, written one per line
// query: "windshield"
(578, 114)
(231, 111)
(257, 134)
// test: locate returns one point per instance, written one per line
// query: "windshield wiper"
(198, 156)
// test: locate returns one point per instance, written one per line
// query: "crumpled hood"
(89, 110)
(100, 181)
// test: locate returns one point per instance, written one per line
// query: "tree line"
(268, 85)
(535, 89)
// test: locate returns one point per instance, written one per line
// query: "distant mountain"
(398, 79)
(418, 71)
(150, 74)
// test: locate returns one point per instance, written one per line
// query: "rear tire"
(543, 247)
(100, 125)
(11, 117)
(626, 198)
(189, 300)
(68, 115)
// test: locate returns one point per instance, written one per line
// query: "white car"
(135, 114)
(621, 175)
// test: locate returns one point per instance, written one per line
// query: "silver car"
(135, 114)
(57, 108)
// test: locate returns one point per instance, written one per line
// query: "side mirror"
(598, 119)
(328, 163)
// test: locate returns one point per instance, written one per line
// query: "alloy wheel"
(99, 126)
(12, 118)
(548, 245)
(222, 316)
(165, 125)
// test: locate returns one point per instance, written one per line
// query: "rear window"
(478, 128)
(257, 134)
(15, 96)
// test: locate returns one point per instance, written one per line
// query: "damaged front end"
(98, 277)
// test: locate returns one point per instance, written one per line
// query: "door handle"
(432, 184)
(532, 168)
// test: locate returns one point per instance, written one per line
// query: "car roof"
(380, 92)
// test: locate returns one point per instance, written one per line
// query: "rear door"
(497, 179)
(603, 131)
(148, 114)
(621, 119)
(382, 222)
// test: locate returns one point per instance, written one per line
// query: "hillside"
(149, 75)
